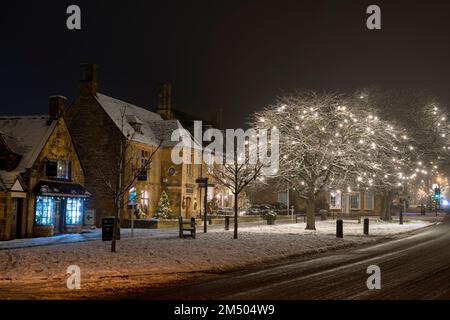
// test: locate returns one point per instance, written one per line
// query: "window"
(58, 169)
(45, 210)
(144, 201)
(74, 211)
(282, 197)
(368, 201)
(142, 176)
(354, 201)
(335, 200)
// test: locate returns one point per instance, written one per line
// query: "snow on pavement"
(160, 260)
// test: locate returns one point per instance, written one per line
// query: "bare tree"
(236, 174)
(127, 165)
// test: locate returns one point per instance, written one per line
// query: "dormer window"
(135, 123)
(58, 169)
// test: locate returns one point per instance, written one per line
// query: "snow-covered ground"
(40, 272)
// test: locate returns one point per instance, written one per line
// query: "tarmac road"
(416, 266)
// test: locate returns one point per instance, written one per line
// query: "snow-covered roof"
(25, 136)
(153, 128)
(8, 179)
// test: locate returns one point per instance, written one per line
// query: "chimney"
(56, 107)
(218, 119)
(165, 101)
(88, 79)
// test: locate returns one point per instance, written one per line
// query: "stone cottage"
(41, 178)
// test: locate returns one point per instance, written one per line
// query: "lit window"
(74, 211)
(368, 201)
(45, 210)
(335, 200)
(354, 201)
(58, 169)
(144, 201)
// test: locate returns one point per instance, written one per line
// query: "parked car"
(226, 211)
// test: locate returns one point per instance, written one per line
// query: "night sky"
(234, 55)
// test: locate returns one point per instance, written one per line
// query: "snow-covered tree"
(163, 210)
(329, 141)
(428, 132)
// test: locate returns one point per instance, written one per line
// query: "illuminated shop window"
(45, 211)
(74, 211)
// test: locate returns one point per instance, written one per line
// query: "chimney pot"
(165, 100)
(56, 107)
(88, 79)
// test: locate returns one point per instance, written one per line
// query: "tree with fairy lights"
(428, 129)
(329, 141)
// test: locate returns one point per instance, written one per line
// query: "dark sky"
(235, 55)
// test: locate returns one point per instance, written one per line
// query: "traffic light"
(437, 193)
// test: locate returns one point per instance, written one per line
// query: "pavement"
(413, 266)
(89, 234)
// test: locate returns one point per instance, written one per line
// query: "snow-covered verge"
(40, 272)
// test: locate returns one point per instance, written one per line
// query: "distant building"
(41, 178)
(335, 201)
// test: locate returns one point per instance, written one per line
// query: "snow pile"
(154, 260)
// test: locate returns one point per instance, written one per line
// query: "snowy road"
(416, 266)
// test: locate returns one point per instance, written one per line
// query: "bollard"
(210, 221)
(296, 219)
(227, 223)
(366, 227)
(339, 228)
(400, 215)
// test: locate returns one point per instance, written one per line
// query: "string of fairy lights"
(392, 159)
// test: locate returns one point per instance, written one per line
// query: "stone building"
(99, 124)
(41, 177)
(347, 203)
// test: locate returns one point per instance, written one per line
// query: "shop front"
(59, 208)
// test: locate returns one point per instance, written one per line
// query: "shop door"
(59, 217)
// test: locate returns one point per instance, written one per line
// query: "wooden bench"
(186, 226)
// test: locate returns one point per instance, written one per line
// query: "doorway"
(58, 218)
(346, 204)
(16, 219)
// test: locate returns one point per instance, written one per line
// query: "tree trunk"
(386, 206)
(236, 209)
(310, 213)
(116, 225)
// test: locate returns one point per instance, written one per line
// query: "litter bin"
(323, 214)
(108, 228)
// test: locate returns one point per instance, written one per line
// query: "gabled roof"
(8, 179)
(26, 136)
(153, 128)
